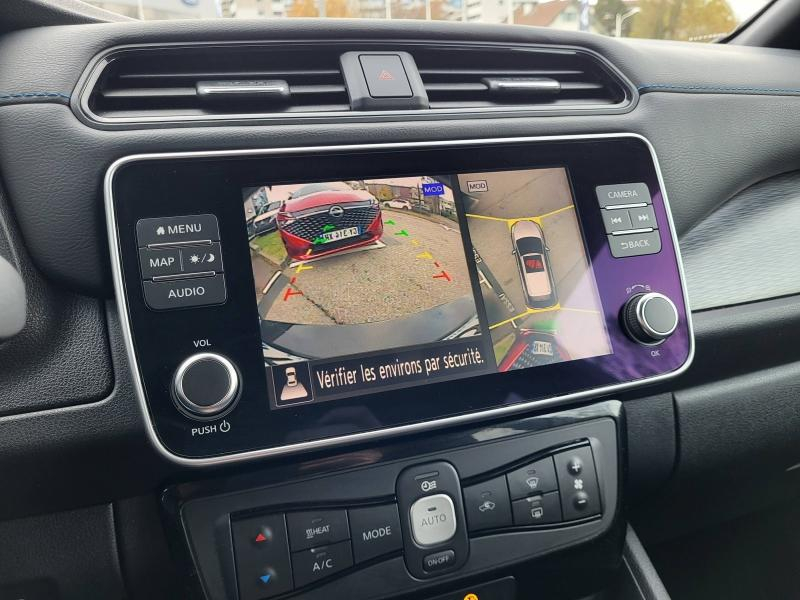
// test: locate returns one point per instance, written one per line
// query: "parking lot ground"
(420, 265)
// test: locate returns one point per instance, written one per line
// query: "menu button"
(176, 230)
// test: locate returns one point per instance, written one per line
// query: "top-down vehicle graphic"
(322, 219)
(533, 262)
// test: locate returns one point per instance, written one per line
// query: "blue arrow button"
(265, 578)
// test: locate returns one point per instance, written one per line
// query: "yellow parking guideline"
(510, 222)
(583, 310)
(555, 212)
(485, 217)
(303, 267)
(530, 311)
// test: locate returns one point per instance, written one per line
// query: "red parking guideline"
(289, 292)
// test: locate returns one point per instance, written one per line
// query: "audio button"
(185, 292)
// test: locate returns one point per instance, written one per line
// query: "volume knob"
(649, 318)
(205, 385)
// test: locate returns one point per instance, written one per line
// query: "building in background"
(163, 9)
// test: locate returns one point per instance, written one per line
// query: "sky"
(744, 9)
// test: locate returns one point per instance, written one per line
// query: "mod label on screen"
(432, 189)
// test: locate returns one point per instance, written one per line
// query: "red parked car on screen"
(321, 219)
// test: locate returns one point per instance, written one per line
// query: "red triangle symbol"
(261, 538)
(386, 76)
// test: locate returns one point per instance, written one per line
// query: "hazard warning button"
(385, 75)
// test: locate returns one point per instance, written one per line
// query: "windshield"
(690, 20)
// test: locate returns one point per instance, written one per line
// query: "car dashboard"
(388, 310)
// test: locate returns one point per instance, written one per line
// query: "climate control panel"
(418, 521)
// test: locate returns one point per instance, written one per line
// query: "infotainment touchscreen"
(367, 285)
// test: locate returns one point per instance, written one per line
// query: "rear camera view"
(541, 302)
(351, 267)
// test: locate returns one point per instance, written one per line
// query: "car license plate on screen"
(545, 348)
(341, 234)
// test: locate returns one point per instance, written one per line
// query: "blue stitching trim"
(15, 95)
(709, 88)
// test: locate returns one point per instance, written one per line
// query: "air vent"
(143, 84)
(294, 81)
(510, 77)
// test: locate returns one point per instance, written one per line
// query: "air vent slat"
(455, 87)
(498, 72)
(318, 89)
(129, 93)
(277, 74)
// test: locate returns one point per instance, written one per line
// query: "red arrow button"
(261, 538)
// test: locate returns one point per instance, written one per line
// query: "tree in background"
(605, 13)
(303, 8)
(698, 20)
(333, 8)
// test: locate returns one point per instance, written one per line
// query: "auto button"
(431, 508)
(433, 520)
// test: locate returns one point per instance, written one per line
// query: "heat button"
(433, 520)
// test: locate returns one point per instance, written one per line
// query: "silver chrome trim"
(634, 205)
(642, 319)
(629, 231)
(222, 403)
(122, 301)
(179, 276)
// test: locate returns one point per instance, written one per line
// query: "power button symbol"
(225, 427)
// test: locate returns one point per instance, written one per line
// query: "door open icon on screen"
(296, 384)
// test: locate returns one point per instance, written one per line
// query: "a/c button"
(185, 293)
(318, 563)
